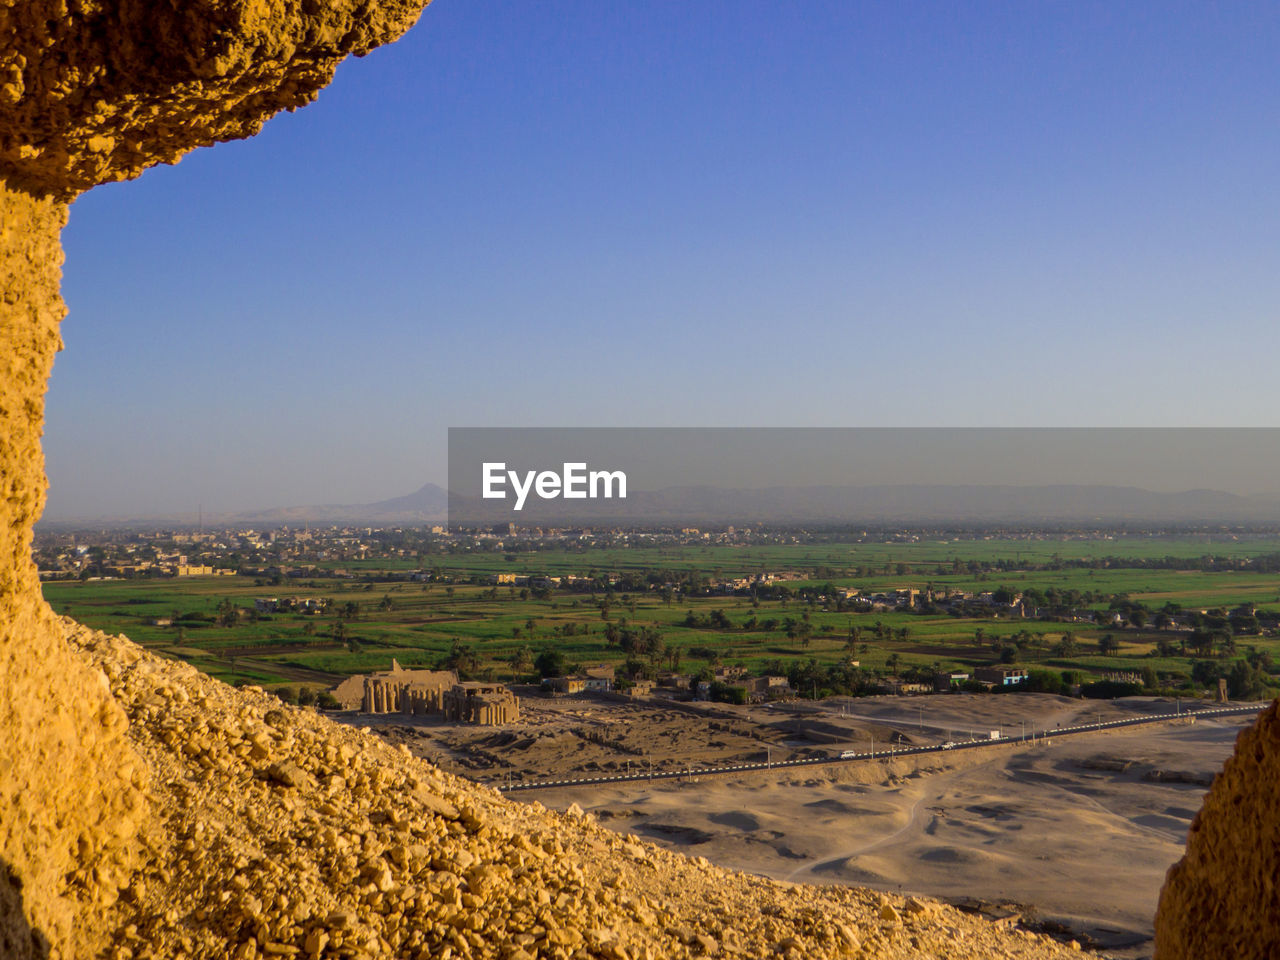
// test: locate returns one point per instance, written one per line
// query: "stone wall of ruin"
(392, 694)
(491, 709)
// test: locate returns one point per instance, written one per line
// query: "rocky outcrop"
(277, 833)
(71, 789)
(1222, 899)
(95, 90)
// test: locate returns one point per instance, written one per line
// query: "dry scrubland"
(564, 738)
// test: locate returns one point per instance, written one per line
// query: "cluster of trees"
(715, 620)
(1251, 678)
(303, 697)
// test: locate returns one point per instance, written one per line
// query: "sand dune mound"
(738, 821)
(850, 870)
(961, 856)
(841, 807)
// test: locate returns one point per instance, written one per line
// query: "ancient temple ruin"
(417, 692)
(486, 704)
(428, 693)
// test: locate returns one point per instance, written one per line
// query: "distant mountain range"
(907, 503)
(694, 505)
(427, 504)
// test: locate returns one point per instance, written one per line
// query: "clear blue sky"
(695, 213)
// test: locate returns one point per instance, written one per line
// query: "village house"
(1000, 676)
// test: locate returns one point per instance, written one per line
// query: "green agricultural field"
(374, 615)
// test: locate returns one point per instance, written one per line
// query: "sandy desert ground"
(1078, 831)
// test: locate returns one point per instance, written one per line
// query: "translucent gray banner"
(664, 477)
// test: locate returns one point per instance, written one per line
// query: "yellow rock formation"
(96, 90)
(1222, 899)
(71, 789)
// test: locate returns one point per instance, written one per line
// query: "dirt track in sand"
(1080, 830)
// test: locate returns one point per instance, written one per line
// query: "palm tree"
(521, 661)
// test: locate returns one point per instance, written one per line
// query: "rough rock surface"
(280, 833)
(1223, 898)
(96, 90)
(71, 790)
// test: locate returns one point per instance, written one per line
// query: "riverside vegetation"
(1171, 614)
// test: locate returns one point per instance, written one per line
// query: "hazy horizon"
(857, 475)
(655, 214)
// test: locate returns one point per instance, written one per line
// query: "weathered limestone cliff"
(71, 789)
(1223, 898)
(149, 811)
(95, 90)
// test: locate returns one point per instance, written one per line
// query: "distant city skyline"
(667, 214)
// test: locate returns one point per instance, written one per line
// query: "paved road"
(850, 756)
